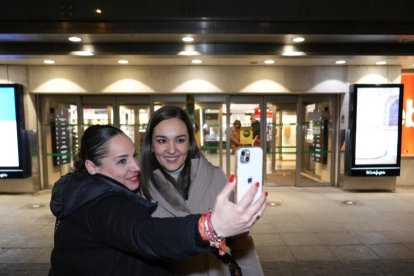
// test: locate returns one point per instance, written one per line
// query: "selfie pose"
(103, 227)
(177, 176)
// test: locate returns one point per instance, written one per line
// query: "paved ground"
(306, 231)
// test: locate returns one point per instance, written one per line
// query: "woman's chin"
(132, 186)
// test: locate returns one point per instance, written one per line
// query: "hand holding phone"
(249, 170)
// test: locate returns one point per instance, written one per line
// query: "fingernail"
(232, 178)
(266, 193)
(257, 184)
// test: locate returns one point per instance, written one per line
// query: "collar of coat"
(76, 189)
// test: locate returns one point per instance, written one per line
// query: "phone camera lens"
(247, 158)
(243, 153)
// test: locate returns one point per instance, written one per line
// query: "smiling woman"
(119, 163)
(182, 181)
(103, 227)
(170, 144)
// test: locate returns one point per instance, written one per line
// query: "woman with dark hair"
(177, 176)
(103, 227)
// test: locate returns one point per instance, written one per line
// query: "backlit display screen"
(9, 146)
(376, 129)
(15, 158)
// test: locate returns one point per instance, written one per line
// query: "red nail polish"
(257, 184)
(266, 193)
(232, 178)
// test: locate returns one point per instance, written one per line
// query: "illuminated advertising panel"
(376, 117)
(407, 144)
(13, 160)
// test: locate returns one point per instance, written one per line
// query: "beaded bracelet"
(208, 233)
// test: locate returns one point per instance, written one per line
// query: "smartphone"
(249, 170)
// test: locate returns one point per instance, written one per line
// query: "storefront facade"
(300, 103)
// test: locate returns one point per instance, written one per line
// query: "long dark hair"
(93, 146)
(148, 161)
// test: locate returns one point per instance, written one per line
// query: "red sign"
(257, 113)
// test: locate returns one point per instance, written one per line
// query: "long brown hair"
(148, 161)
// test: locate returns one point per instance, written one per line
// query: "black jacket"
(103, 228)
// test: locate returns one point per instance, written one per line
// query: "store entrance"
(297, 133)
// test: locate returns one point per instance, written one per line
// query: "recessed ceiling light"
(188, 39)
(48, 61)
(123, 61)
(269, 61)
(298, 39)
(196, 61)
(86, 50)
(84, 53)
(340, 62)
(189, 50)
(75, 39)
(290, 51)
(381, 62)
(188, 53)
(98, 11)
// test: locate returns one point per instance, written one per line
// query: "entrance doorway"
(297, 133)
(281, 141)
(317, 141)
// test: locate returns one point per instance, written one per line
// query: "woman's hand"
(229, 219)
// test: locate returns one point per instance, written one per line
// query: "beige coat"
(206, 182)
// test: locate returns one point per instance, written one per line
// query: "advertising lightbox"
(14, 162)
(375, 122)
(407, 145)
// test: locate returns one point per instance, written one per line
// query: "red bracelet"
(208, 233)
(218, 237)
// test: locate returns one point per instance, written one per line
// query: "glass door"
(133, 121)
(245, 119)
(97, 114)
(316, 141)
(60, 136)
(210, 125)
(281, 141)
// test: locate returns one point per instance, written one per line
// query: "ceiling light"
(293, 54)
(340, 62)
(196, 61)
(87, 50)
(48, 61)
(290, 51)
(98, 11)
(75, 39)
(123, 61)
(189, 50)
(84, 53)
(381, 62)
(188, 39)
(188, 53)
(298, 39)
(269, 61)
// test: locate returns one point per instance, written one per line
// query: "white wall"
(208, 79)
